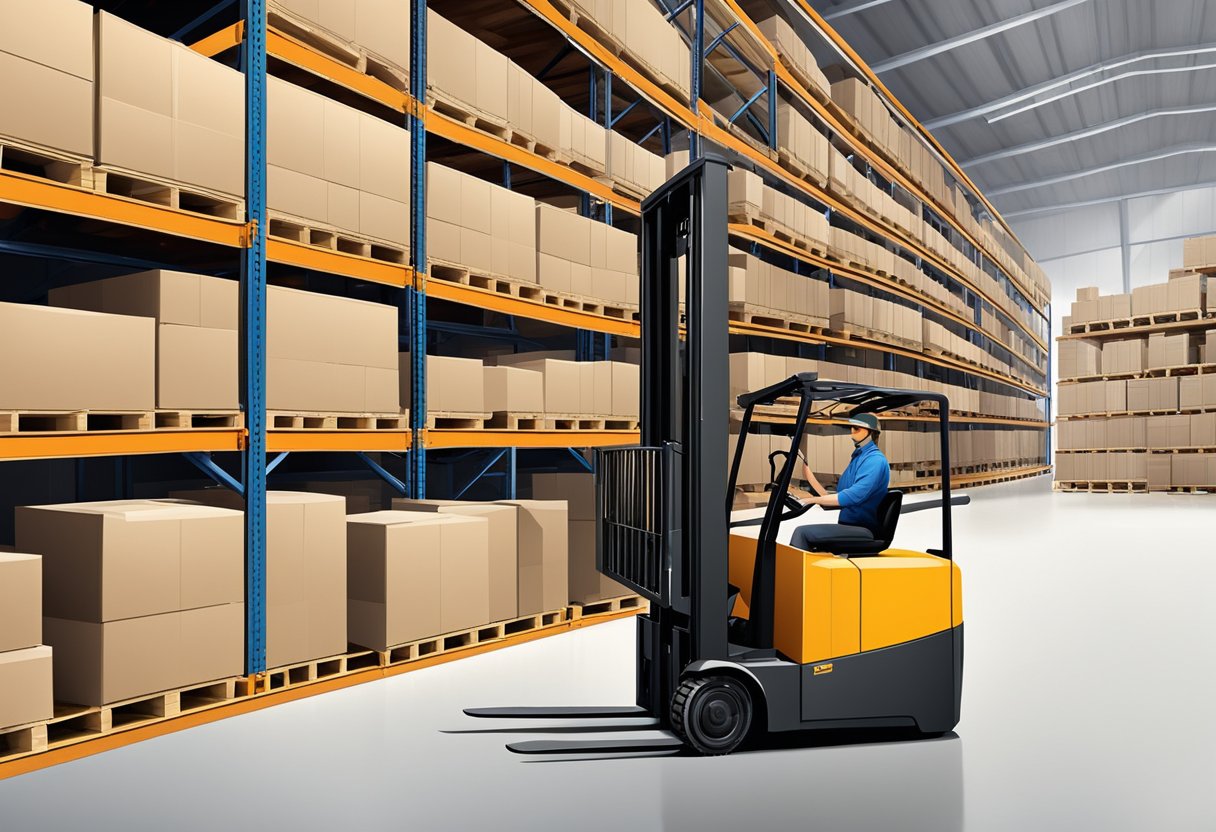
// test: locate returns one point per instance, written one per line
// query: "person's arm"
(816, 486)
(869, 478)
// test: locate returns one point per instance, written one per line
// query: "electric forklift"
(745, 634)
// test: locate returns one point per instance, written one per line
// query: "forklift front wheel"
(713, 714)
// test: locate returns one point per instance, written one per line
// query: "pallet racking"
(727, 44)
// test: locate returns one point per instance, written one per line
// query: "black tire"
(712, 714)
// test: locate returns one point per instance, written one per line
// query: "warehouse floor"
(1087, 704)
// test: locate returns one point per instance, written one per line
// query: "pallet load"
(580, 256)
(372, 36)
(764, 293)
(478, 228)
(643, 38)
(634, 168)
(51, 108)
(587, 585)
(593, 390)
(876, 318)
(454, 389)
(167, 115)
(305, 570)
(139, 596)
(335, 176)
(88, 361)
(752, 202)
(196, 331)
(1199, 254)
(412, 575)
(329, 355)
(794, 54)
(25, 662)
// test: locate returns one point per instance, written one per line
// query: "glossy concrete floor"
(1089, 703)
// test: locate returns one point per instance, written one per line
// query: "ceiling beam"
(1105, 127)
(1026, 93)
(1179, 150)
(973, 36)
(1106, 200)
(845, 9)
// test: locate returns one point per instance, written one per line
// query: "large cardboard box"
(196, 330)
(20, 601)
(26, 693)
(167, 111)
(106, 561)
(48, 45)
(305, 571)
(543, 555)
(453, 385)
(563, 381)
(1169, 349)
(381, 27)
(66, 359)
(587, 584)
(514, 390)
(101, 663)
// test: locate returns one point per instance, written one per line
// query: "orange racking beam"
(529, 438)
(118, 443)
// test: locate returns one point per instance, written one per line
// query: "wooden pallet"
(472, 117)
(513, 287)
(608, 606)
(22, 739)
(1170, 317)
(307, 672)
(320, 235)
(1102, 486)
(20, 156)
(292, 420)
(471, 637)
(742, 214)
(748, 314)
(75, 421)
(353, 55)
(453, 420)
(524, 422)
(155, 190)
(800, 170)
(849, 331)
(199, 419)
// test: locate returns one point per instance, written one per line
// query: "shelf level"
(118, 443)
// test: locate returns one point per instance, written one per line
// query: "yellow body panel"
(741, 560)
(816, 606)
(904, 596)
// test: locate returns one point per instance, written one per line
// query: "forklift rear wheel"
(712, 714)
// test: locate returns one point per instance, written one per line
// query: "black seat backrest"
(888, 515)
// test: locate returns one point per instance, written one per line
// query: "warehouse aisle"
(1087, 704)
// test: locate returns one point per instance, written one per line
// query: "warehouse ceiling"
(1051, 103)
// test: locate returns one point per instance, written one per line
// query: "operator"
(860, 490)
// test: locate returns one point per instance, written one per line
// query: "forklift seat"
(858, 541)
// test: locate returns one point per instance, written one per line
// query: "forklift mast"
(662, 528)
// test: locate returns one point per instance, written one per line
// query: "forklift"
(746, 635)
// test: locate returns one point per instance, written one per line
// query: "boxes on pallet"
(20, 602)
(1195, 392)
(453, 385)
(1199, 252)
(167, 111)
(562, 381)
(412, 575)
(806, 146)
(478, 225)
(305, 571)
(1169, 350)
(1114, 307)
(793, 51)
(1193, 470)
(633, 165)
(586, 583)
(139, 596)
(326, 354)
(503, 557)
(196, 330)
(26, 686)
(1122, 356)
(335, 166)
(66, 359)
(381, 27)
(584, 140)
(514, 390)
(1150, 300)
(543, 551)
(573, 251)
(48, 45)
(1203, 430)
(1165, 432)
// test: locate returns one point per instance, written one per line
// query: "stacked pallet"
(1137, 397)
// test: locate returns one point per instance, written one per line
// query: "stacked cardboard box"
(166, 111)
(52, 105)
(513, 390)
(327, 354)
(376, 27)
(586, 583)
(335, 166)
(851, 248)
(305, 571)
(139, 596)
(453, 385)
(412, 575)
(581, 256)
(763, 287)
(806, 146)
(480, 226)
(636, 167)
(25, 662)
(641, 29)
(65, 359)
(857, 312)
(588, 388)
(749, 197)
(196, 318)
(1199, 253)
(866, 197)
(794, 53)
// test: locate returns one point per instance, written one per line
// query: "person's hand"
(806, 473)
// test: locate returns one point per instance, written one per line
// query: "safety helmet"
(866, 420)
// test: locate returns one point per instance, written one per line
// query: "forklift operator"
(860, 490)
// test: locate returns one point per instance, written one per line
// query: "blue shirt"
(862, 487)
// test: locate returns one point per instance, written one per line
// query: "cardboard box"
(167, 111)
(626, 390)
(100, 663)
(503, 565)
(563, 381)
(85, 361)
(1168, 350)
(453, 385)
(543, 555)
(26, 693)
(514, 390)
(305, 571)
(587, 583)
(124, 559)
(20, 602)
(378, 26)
